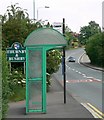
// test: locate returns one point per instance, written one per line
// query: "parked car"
(71, 59)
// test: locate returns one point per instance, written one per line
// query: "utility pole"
(64, 67)
(34, 10)
(103, 16)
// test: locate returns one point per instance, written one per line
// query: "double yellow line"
(98, 113)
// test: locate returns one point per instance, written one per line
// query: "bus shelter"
(37, 44)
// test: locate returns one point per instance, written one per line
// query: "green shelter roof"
(45, 36)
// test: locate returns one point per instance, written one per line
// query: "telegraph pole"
(34, 10)
(64, 67)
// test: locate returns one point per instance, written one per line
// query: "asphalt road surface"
(85, 84)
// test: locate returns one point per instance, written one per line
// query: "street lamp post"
(34, 9)
(39, 8)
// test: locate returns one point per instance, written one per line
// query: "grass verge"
(19, 94)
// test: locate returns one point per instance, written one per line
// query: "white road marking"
(86, 80)
(79, 72)
(83, 74)
(90, 77)
(90, 80)
(67, 66)
(80, 58)
(81, 81)
(97, 79)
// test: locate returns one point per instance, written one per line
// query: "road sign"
(58, 26)
(16, 53)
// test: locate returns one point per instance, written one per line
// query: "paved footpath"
(55, 106)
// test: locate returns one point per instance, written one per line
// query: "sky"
(77, 13)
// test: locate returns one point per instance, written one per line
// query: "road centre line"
(79, 72)
(76, 71)
(67, 66)
(83, 74)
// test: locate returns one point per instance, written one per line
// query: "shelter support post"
(44, 82)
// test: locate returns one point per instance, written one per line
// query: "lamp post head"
(47, 7)
(41, 7)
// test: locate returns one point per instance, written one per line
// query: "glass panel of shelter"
(34, 79)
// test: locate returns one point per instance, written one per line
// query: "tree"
(54, 58)
(68, 35)
(88, 31)
(53, 61)
(95, 49)
(16, 26)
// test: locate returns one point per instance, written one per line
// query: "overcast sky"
(77, 13)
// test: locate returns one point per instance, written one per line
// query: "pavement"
(55, 103)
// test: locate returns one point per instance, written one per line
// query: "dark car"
(71, 59)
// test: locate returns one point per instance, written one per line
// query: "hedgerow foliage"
(5, 85)
(95, 49)
(53, 61)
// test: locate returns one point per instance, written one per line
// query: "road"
(83, 83)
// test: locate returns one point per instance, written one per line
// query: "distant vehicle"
(71, 59)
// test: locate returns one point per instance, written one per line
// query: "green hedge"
(5, 85)
(95, 49)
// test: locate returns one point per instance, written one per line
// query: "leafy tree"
(14, 12)
(68, 35)
(88, 31)
(16, 26)
(71, 37)
(94, 49)
(53, 61)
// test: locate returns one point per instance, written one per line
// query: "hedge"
(95, 49)
(5, 85)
